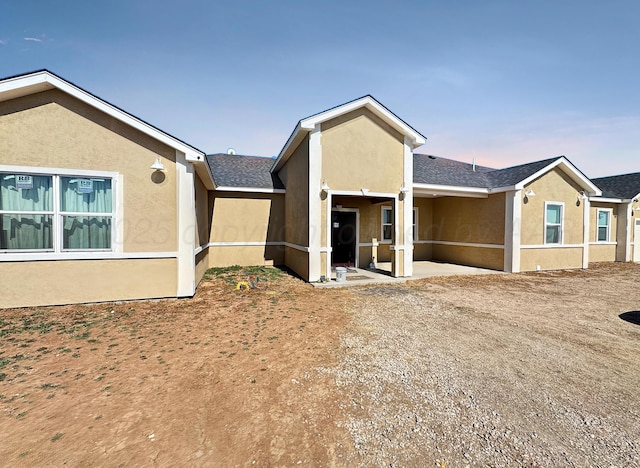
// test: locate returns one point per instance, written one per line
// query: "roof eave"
(306, 125)
(572, 171)
(43, 80)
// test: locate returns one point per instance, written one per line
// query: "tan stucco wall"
(471, 220)
(202, 264)
(554, 186)
(203, 214)
(69, 282)
(359, 150)
(295, 177)
(472, 256)
(298, 261)
(602, 253)
(424, 251)
(246, 218)
(54, 130)
(550, 259)
(223, 256)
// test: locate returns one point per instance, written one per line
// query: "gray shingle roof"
(619, 186)
(428, 169)
(243, 171)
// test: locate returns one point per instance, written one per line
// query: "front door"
(344, 232)
(636, 241)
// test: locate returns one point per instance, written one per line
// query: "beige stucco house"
(98, 205)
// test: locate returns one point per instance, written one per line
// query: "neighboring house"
(98, 205)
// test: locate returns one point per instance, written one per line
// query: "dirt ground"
(530, 369)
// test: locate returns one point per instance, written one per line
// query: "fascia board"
(608, 200)
(375, 107)
(450, 190)
(570, 169)
(43, 80)
(294, 139)
(222, 188)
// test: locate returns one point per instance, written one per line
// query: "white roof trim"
(609, 200)
(571, 171)
(308, 124)
(248, 189)
(450, 190)
(44, 80)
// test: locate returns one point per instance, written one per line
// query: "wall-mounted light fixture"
(324, 190)
(581, 196)
(528, 194)
(157, 165)
(403, 191)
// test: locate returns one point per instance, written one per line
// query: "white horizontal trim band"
(553, 246)
(249, 189)
(603, 243)
(369, 244)
(46, 256)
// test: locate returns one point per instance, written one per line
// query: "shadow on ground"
(631, 317)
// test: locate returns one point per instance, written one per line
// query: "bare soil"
(523, 370)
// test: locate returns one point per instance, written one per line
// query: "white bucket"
(341, 274)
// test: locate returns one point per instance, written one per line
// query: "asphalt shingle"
(243, 171)
(619, 186)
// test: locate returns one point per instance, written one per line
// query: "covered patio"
(382, 274)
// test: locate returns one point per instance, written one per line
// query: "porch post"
(512, 223)
(315, 204)
(408, 208)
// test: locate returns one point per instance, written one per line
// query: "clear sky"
(506, 82)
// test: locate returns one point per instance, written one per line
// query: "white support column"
(512, 225)
(623, 236)
(408, 207)
(585, 239)
(186, 211)
(315, 218)
(329, 202)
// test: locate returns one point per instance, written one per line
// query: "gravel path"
(514, 370)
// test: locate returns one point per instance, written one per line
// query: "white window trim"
(382, 224)
(58, 253)
(608, 239)
(561, 240)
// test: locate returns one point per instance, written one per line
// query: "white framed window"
(553, 222)
(415, 224)
(386, 229)
(58, 212)
(603, 217)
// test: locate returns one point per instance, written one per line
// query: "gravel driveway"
(502, 370)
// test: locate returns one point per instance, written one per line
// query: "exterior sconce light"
(324, 190)
(157, 165)
(581, 196)
(528, 194)
(403, 192)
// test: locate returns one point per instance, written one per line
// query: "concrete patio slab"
(382, 274)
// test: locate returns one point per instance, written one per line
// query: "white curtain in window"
(86, 196)
(24, 230)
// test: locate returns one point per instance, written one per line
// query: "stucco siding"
(202, 264)
(470, 220)
(473, 256)
(359, 150)
(298, 261)
(295, 177)
(602, 253)
(246, 229)
(550, 259)
(203, 216)
(554, 186)
(53, 130)
(68, 282)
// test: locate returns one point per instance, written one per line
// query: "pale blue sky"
(506, 82)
